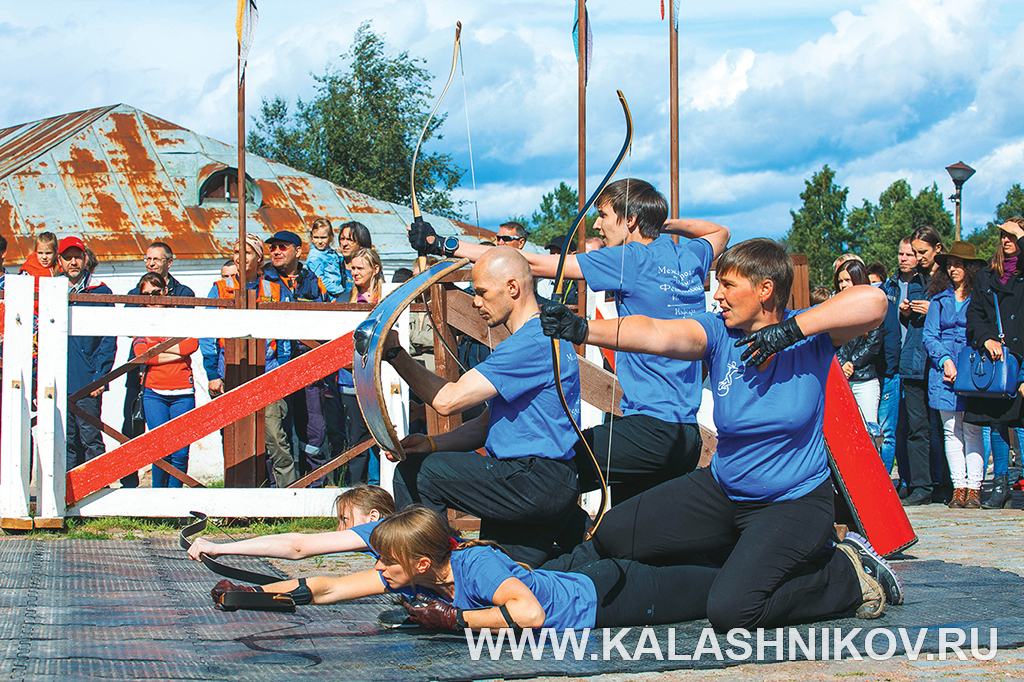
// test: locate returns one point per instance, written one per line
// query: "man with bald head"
(525, 489)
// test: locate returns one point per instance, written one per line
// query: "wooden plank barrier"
(205, 419)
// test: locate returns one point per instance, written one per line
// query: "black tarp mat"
(86, 609)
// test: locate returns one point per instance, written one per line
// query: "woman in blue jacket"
(945, 335)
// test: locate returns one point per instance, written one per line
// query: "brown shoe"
(973, 499)
(959, 499)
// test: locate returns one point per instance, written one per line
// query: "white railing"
(58, 321)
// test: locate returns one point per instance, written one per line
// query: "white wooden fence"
(58, 321)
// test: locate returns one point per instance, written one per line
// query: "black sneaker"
(919, 496)
(877, 567)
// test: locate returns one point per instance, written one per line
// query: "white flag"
(245, 27)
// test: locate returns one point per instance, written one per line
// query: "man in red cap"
(89, 357)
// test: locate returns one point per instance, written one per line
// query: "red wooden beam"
(184, 430)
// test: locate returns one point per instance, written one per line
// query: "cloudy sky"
(769, 91)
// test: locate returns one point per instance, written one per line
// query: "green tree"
(986, 239)
(896, 216)
(360, 129)
(554, 217)
(819, 228)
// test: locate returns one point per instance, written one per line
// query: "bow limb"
(416, 214)
(559, 283)
(198, 526)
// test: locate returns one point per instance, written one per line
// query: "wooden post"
(800, 296)
(444, 365)
(241, 301)
(673, 79)
(16, 403)
(51, 397)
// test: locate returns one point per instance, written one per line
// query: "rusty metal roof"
(121, 179)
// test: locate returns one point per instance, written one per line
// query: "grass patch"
(131, 527)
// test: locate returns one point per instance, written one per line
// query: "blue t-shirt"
(527, 418)
(569, 600)
(665, 281)
(363, 531)
(771, 445)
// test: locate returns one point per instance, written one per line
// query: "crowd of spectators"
(941, 299)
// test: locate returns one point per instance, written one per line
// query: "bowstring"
(469, 139)
(618, 318)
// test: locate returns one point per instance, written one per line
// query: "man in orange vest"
(278, 352)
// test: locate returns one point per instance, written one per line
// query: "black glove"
(227, 586)
(557, 320)
(434, 614)
(768, 341)
(419, 231)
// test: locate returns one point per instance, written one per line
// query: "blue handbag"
(978, 376)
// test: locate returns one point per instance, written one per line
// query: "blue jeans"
(161, 409)
(888, 415)
(1000, 440)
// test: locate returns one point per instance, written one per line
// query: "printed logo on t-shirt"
(735, 370)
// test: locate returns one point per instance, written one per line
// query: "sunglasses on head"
(507, 238)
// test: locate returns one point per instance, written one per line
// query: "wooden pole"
(673, 76)
(240, 301)
(581, 90)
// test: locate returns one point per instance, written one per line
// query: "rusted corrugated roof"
(121, 178)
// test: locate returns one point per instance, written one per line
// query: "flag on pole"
(675, 13)
(245, 27)
(576, 40)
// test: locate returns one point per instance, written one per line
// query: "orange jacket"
(172, 376)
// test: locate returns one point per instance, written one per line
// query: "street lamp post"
(960, 172)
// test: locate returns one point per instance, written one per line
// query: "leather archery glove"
(226, 585)
(558, 321)
(768, 341)
(419, 232)
(434, 614)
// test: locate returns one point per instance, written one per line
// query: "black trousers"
(523, 504)
(644, 452)
(84, 441)
(781, 569)
(632, 593)
(915, 397)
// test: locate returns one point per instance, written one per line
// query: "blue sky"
(769, 91)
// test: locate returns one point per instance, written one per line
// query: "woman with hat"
(945, 335)
(1003, 279)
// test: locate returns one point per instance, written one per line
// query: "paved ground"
(978, 538)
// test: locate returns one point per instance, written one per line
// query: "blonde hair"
(48, 238)
(417, 532)
(376, 284)
(365, 498)
(845, 257)
(323, 222)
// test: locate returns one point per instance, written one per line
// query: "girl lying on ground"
(447, 585)
(359, 510)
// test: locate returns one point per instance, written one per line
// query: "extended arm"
(424, 240)
(329, 590)
(846, 315)
(446, 397)
(681, 339)
(692, 228)
(284, 546)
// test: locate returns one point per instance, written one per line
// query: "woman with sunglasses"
(168, 389)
